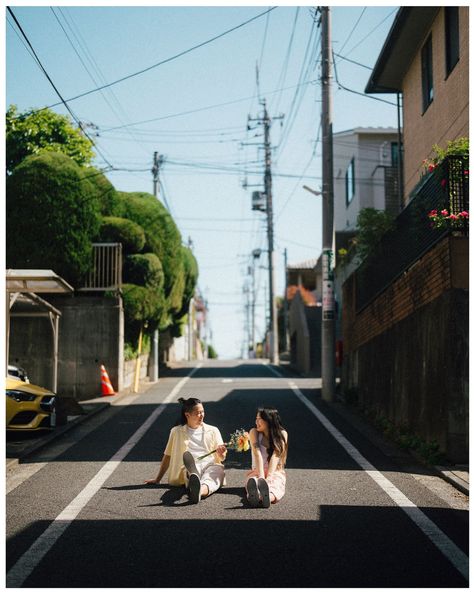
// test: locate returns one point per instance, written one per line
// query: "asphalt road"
(79, 514)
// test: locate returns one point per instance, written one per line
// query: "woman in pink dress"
(266, 480)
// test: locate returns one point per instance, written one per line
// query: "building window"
(350, 182)
(394, 151)
(427, 74)
(451, 37)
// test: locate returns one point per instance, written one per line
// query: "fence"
(447, 187)
(106, 271)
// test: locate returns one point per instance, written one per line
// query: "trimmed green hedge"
(121, 230)
(53, 216)
(144, 270)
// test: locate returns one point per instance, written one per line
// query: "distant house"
(405, 314)
(304, 294)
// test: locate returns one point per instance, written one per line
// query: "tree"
(40, 131)
(371, 225)
(162, 238)
(53, 215)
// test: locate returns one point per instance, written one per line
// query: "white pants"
(211, 475)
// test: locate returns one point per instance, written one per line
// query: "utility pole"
(285, 303)
(157, 162)
(154, 367)
(273, 328)
(328, 343)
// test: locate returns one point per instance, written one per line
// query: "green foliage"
(161, 233)
(177, 328)
(121, 230)
(109, 202)
(371, 225)
(53, 215)
(458, 147)
(211, 352)
(408, 440)
(141, 303)
(43, 131)
(144, 270)
(191, 273)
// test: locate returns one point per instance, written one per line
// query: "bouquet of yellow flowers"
(238, 440)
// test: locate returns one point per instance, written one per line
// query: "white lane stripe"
(449, 549)
(31, 558)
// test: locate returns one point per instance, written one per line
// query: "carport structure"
(22, 300)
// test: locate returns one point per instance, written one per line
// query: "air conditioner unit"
(385, 154)
(258, 200)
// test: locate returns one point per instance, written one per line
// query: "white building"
(365, 174)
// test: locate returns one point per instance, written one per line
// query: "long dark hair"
(187, 405)
(276, 440)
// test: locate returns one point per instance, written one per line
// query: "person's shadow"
(173, 495)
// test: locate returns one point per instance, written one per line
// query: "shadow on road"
(345, 547)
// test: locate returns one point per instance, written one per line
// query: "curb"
(459, 482)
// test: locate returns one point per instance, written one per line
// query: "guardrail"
(106, 270)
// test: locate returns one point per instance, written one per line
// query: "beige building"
(426, 59)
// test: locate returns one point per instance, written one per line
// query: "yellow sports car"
(29, 407)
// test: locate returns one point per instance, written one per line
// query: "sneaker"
(190, 463)
(194, 488)
(252, 492)
(264, 492)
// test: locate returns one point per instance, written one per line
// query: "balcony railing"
(447, 187)
(106, 271)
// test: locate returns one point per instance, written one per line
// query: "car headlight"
(20, 396)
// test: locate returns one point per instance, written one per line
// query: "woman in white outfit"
(186, 443)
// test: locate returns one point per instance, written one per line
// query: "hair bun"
(181, 400)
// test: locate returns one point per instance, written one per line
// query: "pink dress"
(276, 481)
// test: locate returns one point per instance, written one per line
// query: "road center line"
(449, 549)
(19, 572)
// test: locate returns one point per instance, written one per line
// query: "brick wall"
(427, 279)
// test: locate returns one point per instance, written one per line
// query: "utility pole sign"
(328, 285)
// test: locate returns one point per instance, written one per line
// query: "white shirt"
(197, 448)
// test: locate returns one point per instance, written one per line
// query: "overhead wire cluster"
(244, 164)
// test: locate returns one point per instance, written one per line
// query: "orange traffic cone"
(107, 388)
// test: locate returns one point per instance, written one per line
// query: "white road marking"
(449, 549)
(22, 569)
(227, 380)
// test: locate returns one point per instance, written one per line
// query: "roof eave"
(403, 41)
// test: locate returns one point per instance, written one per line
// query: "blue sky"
(193, 110)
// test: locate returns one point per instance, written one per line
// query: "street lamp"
(312, 190)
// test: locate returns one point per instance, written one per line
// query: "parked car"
(29, 407)
(18, 372)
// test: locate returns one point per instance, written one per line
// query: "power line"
(165, 61)
(357, 92)
(353, 28)
(191, 111)
(54, 87)
(374, 29)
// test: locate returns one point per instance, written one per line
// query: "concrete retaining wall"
(407, 358)
(90, 334)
